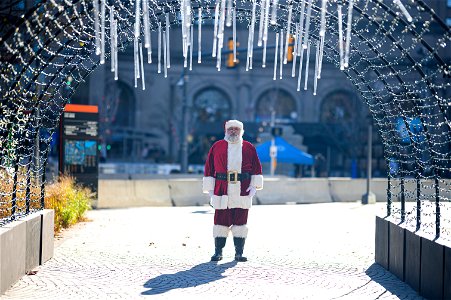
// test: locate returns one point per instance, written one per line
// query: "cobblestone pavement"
(310, 251)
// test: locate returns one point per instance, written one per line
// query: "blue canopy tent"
(286, 153)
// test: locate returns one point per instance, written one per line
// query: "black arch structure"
(401, 69)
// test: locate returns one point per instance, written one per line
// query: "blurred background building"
(146, 126)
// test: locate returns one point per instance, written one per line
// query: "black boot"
(239, 246)
(219, 244)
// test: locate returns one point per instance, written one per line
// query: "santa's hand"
(210, 193)
(251, 191)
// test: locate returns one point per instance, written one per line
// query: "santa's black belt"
(233, 176)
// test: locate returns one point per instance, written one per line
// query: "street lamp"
(184, 146)
(369, 197)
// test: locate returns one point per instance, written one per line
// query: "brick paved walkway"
(316, 251)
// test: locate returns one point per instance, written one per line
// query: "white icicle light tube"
(135, 60)
(112, 37)
(307, 62)
(199, 36)
(348, 33)
(159, 48)
(275, 56)
(137, 18)
(274, 12)
(287, 41)
(142, 66)
(229, 13)
(301, 60)
(322, 30)
(315, 78)
(307, 25)
(404, 10)
(295, 51)
(301, 27)
(221, 33)
(261, 23)
(234, 33)
(191, 50)
(102, 32)
(281, 54)
(250, 39)
(266, 21)
(146, 24)
(168, 44)
(96, 25)
(165, 69)
(116, 67)
(340, 36)
(320, 59)
(215, 29)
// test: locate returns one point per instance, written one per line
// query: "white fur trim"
(234, 156)
(240, 202)
(239, 231)
(257, 181)
(220, 231)
(224, 202)
(219, 202)
(234, 123)
(208, 184)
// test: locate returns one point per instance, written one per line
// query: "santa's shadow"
(197, 275)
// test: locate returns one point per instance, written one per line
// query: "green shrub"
(68, 200)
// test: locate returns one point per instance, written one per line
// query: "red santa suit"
(231, 200)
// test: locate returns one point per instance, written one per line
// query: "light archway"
(49, 50)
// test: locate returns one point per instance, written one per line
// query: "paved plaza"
(310, 251)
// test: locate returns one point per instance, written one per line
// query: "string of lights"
(393, 52)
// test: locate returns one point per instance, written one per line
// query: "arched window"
(280, 102)
(340, 107)
(211, 105)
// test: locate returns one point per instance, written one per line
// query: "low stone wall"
(24, 245)
(187, 191)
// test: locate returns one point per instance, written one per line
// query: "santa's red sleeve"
(208, 181)
(256, 177)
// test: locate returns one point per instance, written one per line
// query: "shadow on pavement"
(202, 212)
(197, 275)
(389, 281)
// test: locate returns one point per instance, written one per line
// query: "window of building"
(448, 22)
(280, 102)
(211, 105)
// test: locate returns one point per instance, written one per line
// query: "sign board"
(79, 132)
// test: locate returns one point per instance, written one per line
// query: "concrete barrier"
(130, 193)
(282, 190)
(187, 191)
(12, 252)
(33, 241)
(177, 190)
(349, 190)
(47, 237)
(25, 244)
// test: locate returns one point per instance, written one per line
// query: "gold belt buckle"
(236, 176)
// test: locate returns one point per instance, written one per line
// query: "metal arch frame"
(370, 46)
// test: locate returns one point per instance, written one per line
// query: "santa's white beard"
(232, 138)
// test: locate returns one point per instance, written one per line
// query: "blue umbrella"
(286, 153)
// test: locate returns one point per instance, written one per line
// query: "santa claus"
(233, 174)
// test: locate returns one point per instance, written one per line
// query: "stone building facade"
(147, 125)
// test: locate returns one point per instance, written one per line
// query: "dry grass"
(68, 200)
